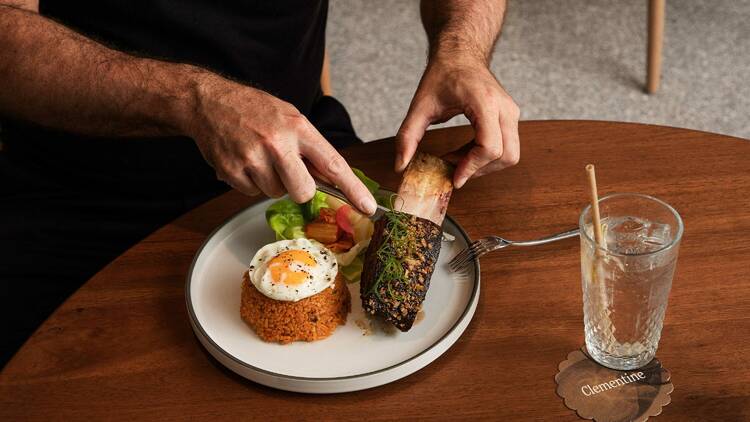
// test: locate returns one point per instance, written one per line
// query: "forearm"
(55, 77)
(254, 141)
(462, 27)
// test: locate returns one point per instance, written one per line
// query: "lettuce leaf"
(382, 198)
(285, 218)
(370, 184)
(311, 208)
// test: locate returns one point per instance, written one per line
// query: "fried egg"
(291, 270)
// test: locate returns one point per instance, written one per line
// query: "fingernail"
(460, 182)
(368, 205)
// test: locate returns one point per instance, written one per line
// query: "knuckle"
(513, 110)
(224, 172)
(253, 163)
(298, 122)
(510, 158)
(246, 156)
(252, 190)
(336, 164)
(230, 180)
(274, 189)
(287, 108)
(483, 99)
(472, 165)
(499, 103)
(276, 147)
(495, 94)
(275, 192)
(494, 151)
(264, 141)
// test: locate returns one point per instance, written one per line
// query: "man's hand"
(451, 88)
(257, 142)
(458, 81)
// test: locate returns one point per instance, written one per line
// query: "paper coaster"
(608, 395)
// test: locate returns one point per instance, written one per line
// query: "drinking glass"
(626, 281)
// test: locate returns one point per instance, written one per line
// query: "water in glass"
(625, 289)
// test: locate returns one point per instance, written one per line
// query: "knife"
(333, 191)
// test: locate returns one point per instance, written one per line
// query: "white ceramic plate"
(348, 360)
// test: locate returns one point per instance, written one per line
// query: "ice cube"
(633, 235)
(658, 234)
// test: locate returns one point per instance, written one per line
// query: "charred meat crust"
(399, 300)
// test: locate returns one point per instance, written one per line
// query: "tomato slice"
(343, 220)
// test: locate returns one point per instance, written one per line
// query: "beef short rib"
(406, 243)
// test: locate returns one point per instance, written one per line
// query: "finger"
(332, 165)
(264, 176)
(458, 154)
(511, 147)
(510, 157)
(487, 148)
(315, 173)
(412, 129)
(295, 177)
(240, 182)
(489, 168)
(511, 141)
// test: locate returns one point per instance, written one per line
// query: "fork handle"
(548, 239)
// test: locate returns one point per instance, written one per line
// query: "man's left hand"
(452, 87)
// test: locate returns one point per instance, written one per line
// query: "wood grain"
(122, 347)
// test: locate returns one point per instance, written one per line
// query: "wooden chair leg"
(655, 39)
(325, 75)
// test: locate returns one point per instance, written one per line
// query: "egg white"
(320, 276)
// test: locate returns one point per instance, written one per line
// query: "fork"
(488, 244)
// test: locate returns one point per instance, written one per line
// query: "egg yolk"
(280, 266)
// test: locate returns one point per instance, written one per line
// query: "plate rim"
(197, 325)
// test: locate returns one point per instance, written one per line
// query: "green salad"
(288, 220)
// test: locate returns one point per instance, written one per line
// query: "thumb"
(417, 119)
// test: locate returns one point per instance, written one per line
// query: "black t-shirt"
(275, 45)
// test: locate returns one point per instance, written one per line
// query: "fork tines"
(467, 255)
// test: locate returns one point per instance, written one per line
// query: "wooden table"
(122, 346)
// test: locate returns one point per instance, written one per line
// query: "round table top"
(122, 346)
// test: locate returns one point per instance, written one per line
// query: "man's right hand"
(259, 143)
(254, 141)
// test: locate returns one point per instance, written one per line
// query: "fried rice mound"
(309, 319)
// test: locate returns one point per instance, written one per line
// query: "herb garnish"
(392, 252)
